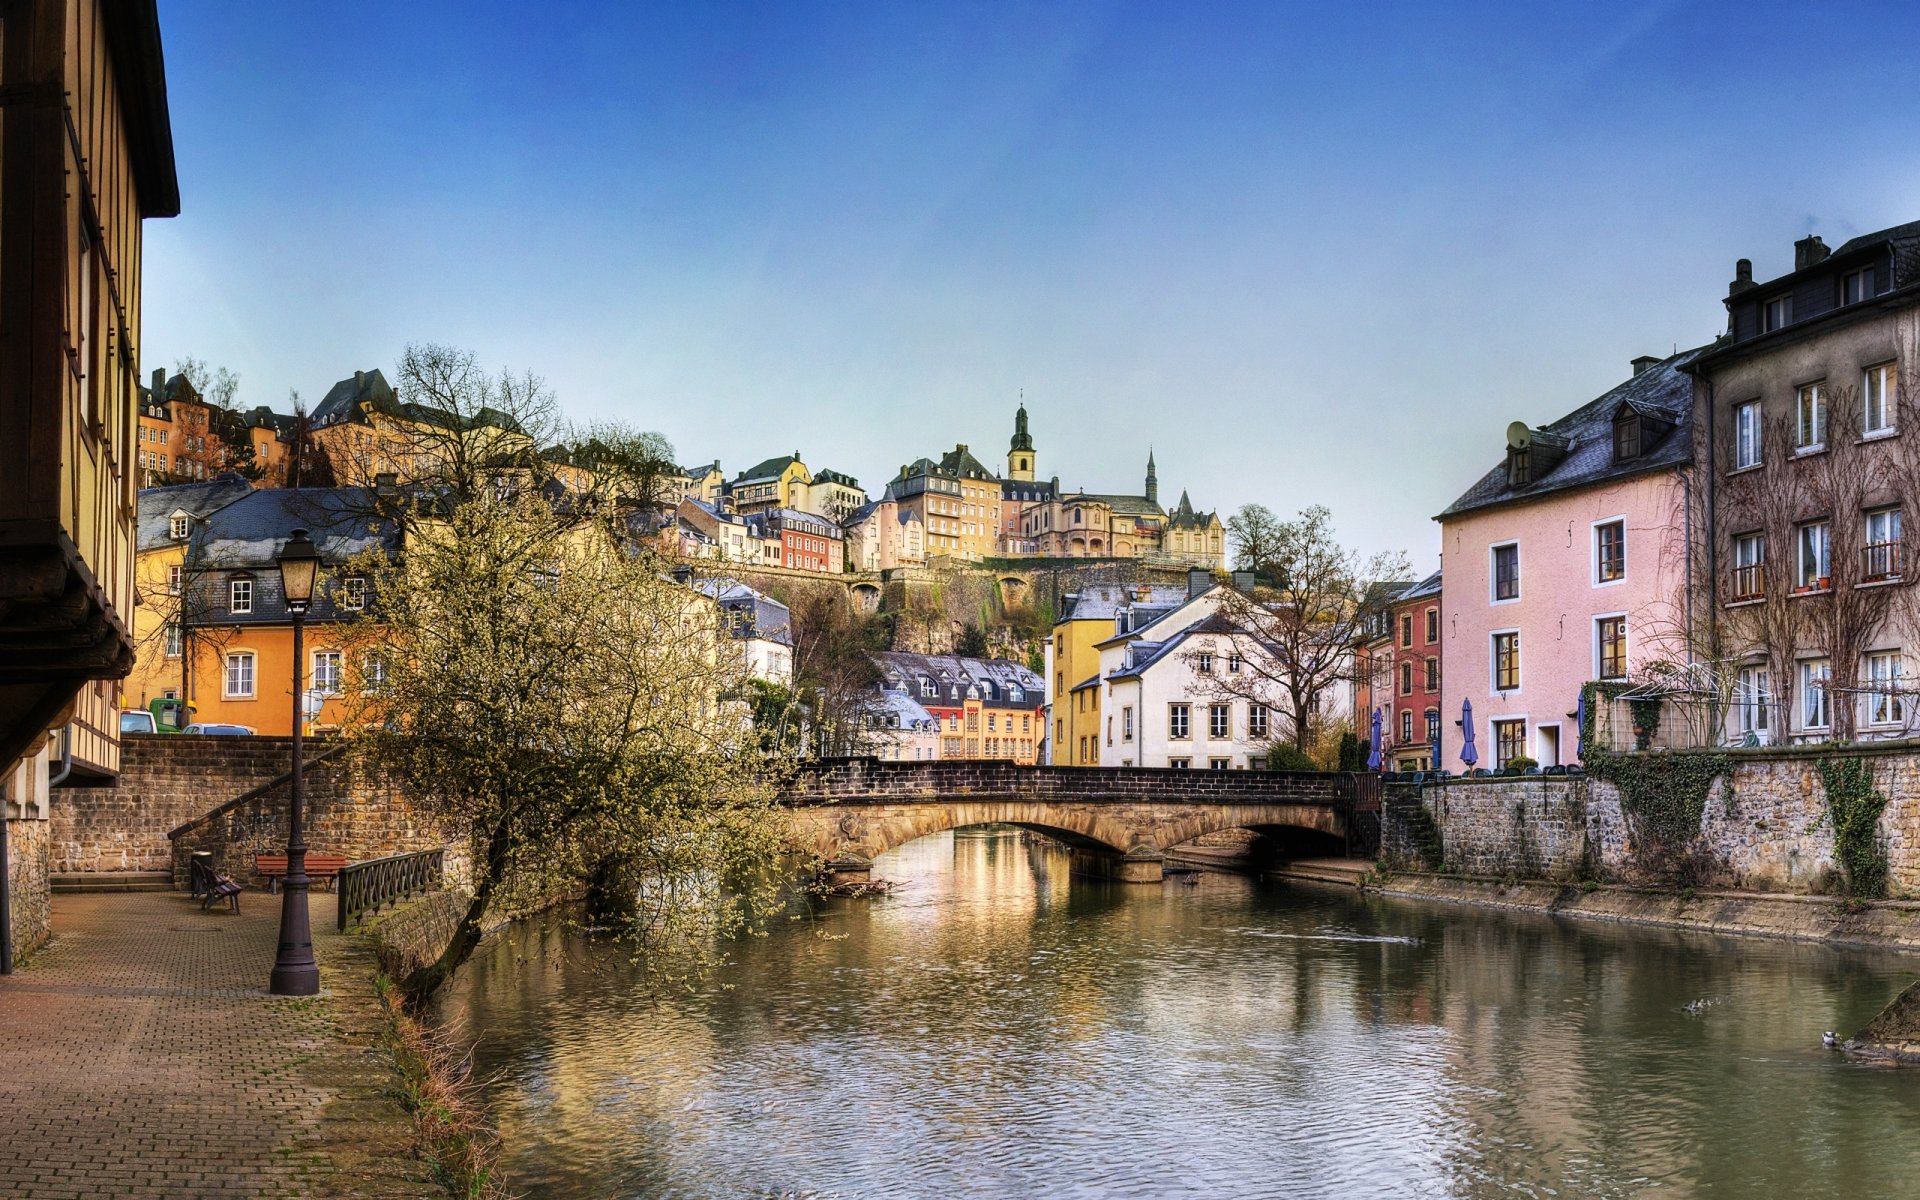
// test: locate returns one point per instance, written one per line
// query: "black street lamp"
(295, 973)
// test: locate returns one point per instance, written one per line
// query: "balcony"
(1881, 562)
(1746, 584)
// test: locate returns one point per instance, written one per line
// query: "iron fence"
(371, 885)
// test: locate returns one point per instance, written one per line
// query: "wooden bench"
(319, 866)
(218, 888)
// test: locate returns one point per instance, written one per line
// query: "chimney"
(1243, 581)
(683, 574)
(1199, 579)
(1742, 277)
(1808, 251)
(159, 384)
(386, 483)
(359, 382)
(1645, 362)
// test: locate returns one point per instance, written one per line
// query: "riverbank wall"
(1764, 823)
(1886, 924)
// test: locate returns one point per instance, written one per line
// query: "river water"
(995, 1030)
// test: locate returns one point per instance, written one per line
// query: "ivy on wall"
(1854, 806)
(1663, 797)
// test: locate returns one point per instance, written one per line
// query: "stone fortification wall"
(164, 781)
(1765, 826)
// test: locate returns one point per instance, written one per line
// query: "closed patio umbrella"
(1468, 754)
(1580, 727)
(1373, 755)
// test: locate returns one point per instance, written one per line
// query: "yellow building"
(775, 483)
(957, 500)
(89, 154)
(1196, 539)
(1087, 618)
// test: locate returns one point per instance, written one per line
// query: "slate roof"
(832, 476)
(155, 506)
(954, 673)
(1104, 601)
(1906, 250)
(893, 708)
(244, 536)
(1430, 586)
(1126, 506)
(960, 462)
(1143, 655)
(754, 614)
(344, 399)
(1665, 390)
(771, 468)
(1184, 516)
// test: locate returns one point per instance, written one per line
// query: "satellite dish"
(1518, 435)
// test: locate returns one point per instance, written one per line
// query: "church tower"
(1153, 481)
(1020, 452)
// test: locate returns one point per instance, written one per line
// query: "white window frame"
(1865, 278)
(1594, 543)
(1126, 723)
(1825, 557)
(336, 664)
(1257, 720)
(373, 672)
(353, 593)
(1810, 398)
(1815, 675)
(1753, 696)
(1749, 432)
(1493, 573)
(1219, 722)
(1776, 312)
(177, 526)
(1883, 707)
(246, 662)
(1179, 722)
(1493, 662)
(239, 600)
(176, 574)
(1890, 522)
(1599, 657)
(174, 640)
(1879, 387)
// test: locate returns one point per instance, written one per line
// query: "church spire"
(1020, 450)
(1153, 480)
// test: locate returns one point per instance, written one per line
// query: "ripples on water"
(993, 1031)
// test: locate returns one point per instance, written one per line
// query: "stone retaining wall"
(347, 812)
(165, 781)
(1765, 828)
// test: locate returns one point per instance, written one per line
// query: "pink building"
(1567, 563)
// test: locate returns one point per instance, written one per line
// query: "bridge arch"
(844, 834)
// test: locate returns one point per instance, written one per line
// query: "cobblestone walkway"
(141, 1057)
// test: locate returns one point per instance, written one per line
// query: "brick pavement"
(141, 1057)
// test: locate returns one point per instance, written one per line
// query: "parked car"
(137, 720)
(214, 729)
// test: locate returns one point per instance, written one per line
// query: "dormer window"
(240, 594)
(1626, 435)
(1856, 286)
(1776, 313)
(177, 526)
(1519, 466)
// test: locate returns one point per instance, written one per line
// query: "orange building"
(213, 628)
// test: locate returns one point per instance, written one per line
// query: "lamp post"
(294, 971)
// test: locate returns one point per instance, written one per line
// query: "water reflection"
(996, 1030)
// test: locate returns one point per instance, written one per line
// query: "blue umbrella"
(1373, 758)
(1468, 754)
(1580, 727)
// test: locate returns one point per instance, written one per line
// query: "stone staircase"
(112, 881)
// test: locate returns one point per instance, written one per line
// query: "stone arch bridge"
(1120, 822)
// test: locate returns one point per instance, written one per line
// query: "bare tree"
(1258, 537)
(1295, 640)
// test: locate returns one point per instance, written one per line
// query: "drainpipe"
(1713, 558)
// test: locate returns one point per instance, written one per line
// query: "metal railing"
(367, 886)
(1747, 583)
(1881, 561)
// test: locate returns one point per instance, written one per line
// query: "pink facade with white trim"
(1562, 600)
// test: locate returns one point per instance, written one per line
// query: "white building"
(1192, 689)
(761, 628)
(900, 729)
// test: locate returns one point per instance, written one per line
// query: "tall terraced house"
(86, 154)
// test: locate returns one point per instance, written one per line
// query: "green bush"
(1285, 756)
(1521, 762)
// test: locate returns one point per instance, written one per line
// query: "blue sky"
(1309, 253)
